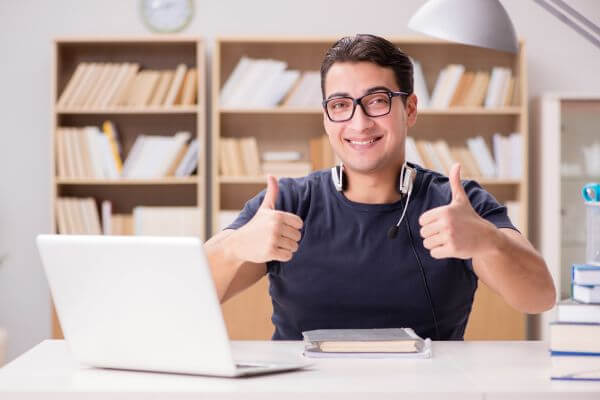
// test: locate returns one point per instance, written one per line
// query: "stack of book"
(240, 157)
(575, 336)
(365, 343)
(93, 153)
(257, 83)
(475, 157)
(110, 85)
(457, 87)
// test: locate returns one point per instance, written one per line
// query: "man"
(327, 252)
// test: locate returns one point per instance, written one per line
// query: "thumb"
(458, 191)
(271, 194)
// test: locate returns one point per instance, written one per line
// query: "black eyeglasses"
(376, 104)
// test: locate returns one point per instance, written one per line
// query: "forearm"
(224, 266)
(514, 269)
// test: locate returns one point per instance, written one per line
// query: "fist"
(455, 230)
(270, 234)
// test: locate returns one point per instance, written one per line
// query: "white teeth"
(365, 142)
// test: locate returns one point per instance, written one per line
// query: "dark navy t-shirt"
(348, 274)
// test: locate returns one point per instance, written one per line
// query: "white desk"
(461, 370)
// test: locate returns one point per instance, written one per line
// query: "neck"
(370, 188)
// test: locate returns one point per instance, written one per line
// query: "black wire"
(427, 292)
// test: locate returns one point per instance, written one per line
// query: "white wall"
(558, 59)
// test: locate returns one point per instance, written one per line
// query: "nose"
(360, 121)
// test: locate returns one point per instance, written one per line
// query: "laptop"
(144, 303)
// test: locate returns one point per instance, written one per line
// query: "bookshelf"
(290, 128)
(150, 53)
(566, 124)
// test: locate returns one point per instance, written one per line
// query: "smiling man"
(323, 239)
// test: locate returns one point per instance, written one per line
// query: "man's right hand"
(270, 234)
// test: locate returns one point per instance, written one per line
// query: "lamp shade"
(482, 23)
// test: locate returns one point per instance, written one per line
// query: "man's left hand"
(456, 230)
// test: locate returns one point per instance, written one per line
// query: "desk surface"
(465, 370)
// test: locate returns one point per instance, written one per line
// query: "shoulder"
(294, 193)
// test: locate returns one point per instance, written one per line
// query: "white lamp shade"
(482, 23)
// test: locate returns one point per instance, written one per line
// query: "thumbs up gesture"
(270, 234)
(455, 230)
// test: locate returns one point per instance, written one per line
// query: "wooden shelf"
(157, 53)
(146, 110)
(123, 181)
(422, 111)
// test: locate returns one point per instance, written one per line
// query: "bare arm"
(238, 258)
(515, 270)
(231, 275)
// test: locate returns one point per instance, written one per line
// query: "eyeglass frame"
(391, 94)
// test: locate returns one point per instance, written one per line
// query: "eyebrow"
(368, 91)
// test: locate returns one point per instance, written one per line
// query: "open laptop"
(143, 303)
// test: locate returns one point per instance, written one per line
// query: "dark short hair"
(370, 48)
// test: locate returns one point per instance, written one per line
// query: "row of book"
(457, 87)
(475, 157)
(241, 157)
(255, 83)
(94, 153)
(575, 335)
(108, 85)
(80, 216)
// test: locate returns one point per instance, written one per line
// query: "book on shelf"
(189, 162)
(585, 274)
(446, 85)
(239, 157)
(121, 224)
(460, 94)
(152, 156)
(307, 93)
(495, 95)
(168, 221)
(266, 83)
(105, 85)
(483, 156)
(77, 216)
(361, 342)
(188, 90)
(457, 87)
(420, 85)
(571, 310)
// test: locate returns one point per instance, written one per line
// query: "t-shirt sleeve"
(487, 206)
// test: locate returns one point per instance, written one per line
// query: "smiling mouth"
(362, 142)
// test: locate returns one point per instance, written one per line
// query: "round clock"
(167, 15)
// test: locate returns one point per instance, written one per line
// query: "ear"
(411, 110)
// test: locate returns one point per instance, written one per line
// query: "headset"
(405, 187)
